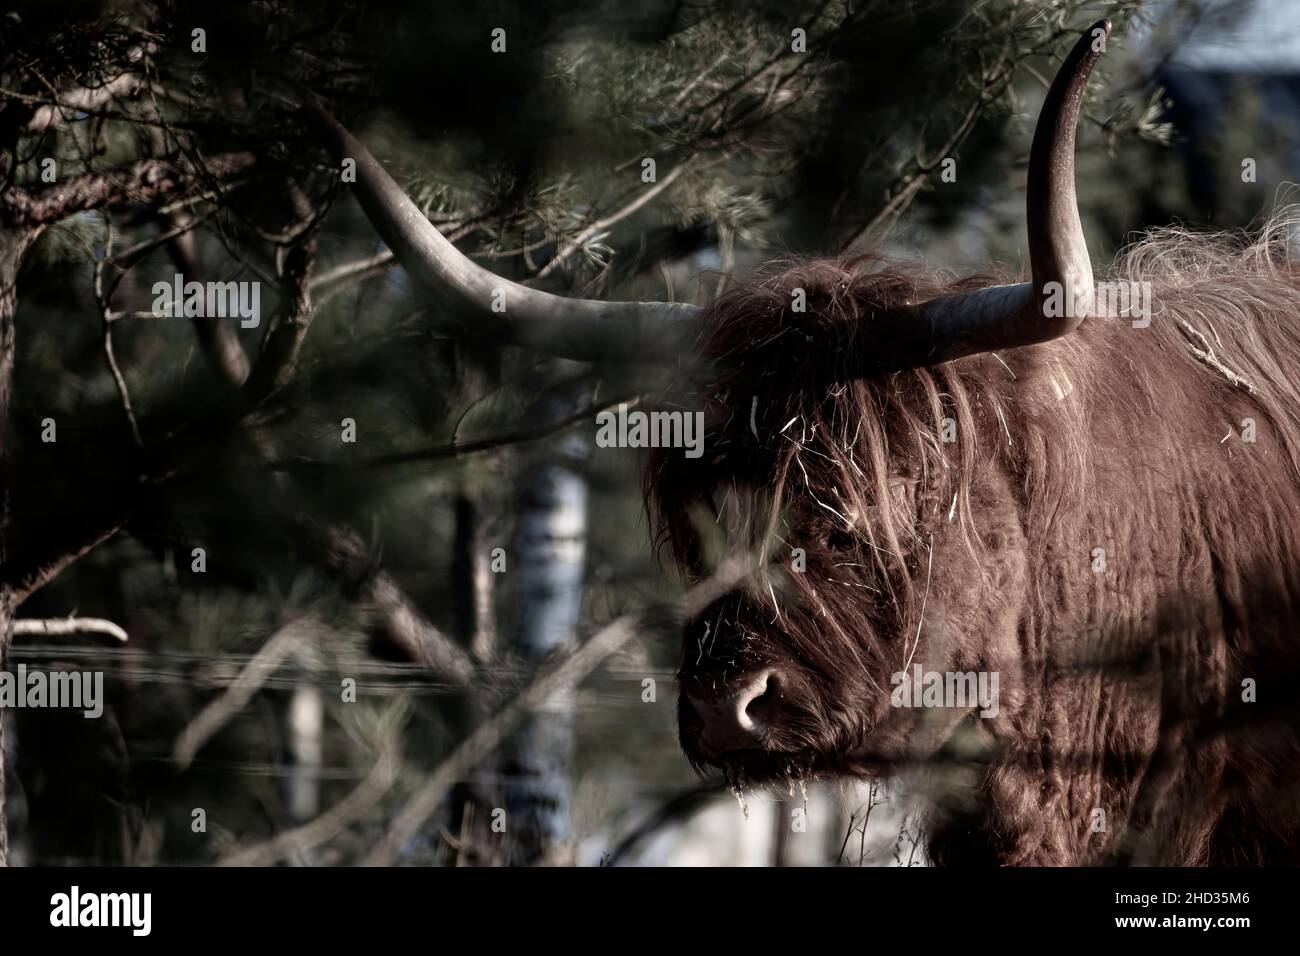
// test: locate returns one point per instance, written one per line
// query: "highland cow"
(1123, 671)
(1103, 510)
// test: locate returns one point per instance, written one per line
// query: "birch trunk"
(549, 553)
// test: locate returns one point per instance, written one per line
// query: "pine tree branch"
(143, 181)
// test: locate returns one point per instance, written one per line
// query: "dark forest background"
(201, 491)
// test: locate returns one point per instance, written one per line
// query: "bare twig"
(355, 270)
(84, 100)
(332, 282)
(213, 717)
(990, 88)
(678, 807)
(329, 824)
(219, 341)
(1207, 356)
(278, 360)
(342, 552)
(106, 319)
(68, 625)
(143, 181)
(581, 239)
(456, 449)
(475, 748)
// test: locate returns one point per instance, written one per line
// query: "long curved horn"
(572, 328)
(1061, 293)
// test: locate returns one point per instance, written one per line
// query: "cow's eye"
(839, 540)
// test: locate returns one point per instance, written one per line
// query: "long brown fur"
(1122, 689)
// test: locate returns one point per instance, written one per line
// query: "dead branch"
(235, 697)
(456, 449)
(278, 361)
(680, 806)
(68, 625)
(329, 824)
(102, 297)
(335, 281)
(57, 112)
(991, 87)
(343, 553)
(583, 237)
(576, 666)
(143, 181)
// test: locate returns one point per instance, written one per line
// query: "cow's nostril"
(762, 709)
(741, 720)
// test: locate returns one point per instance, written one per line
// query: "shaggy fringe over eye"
(856, 472)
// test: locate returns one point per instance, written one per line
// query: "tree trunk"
(12, 246)
(6, 618)
(473, 799)
(548, 556)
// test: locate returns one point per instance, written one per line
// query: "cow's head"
(826, 389)
(853, 500)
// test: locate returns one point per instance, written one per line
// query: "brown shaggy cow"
(1121, 684)
(933, 477)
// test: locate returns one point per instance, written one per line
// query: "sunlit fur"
(1121, 691)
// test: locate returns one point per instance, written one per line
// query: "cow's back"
(1161, 473)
